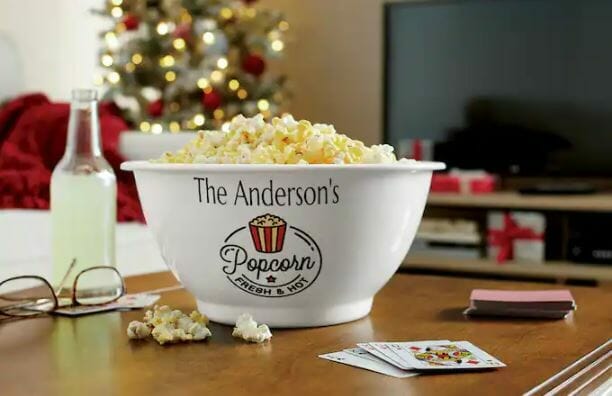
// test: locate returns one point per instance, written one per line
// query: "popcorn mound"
(170, 326)
(281, 141)
(247, 329)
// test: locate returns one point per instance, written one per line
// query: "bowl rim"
(412, 166)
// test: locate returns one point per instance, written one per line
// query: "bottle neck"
(83, 130)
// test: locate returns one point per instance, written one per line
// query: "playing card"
(383, 351)
(393, 352)
(362, 353)
(518, 313)
(404, 350)
(367, 364)
(448, 356)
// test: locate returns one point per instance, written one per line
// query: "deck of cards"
(548, 304)
(407, 359)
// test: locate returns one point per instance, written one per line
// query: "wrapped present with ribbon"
(516, 236)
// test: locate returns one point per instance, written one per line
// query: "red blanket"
(32, 141)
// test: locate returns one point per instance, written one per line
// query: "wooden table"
(91, 355)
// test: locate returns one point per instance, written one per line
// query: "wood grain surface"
(92, 355)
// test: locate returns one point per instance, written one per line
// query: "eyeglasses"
(30, 295)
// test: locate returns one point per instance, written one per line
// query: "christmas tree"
(174, 65)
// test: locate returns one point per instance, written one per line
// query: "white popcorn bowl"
(334, 251)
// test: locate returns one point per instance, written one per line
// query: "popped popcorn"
(137, 330)
(170, 326)
(198, 317)
(247, 329)
(281, 141)
(163, 333)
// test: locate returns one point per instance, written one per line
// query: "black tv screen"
(511, 86)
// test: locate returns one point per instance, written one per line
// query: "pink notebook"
(522, 296)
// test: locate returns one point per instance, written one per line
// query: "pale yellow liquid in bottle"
(83, 215)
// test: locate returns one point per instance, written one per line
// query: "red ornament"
(156, 108)
(131, 22)
(254, 64)
(182, 31)
(211, 100)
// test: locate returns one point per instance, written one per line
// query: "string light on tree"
(174, 127)
(203, 83)
(226, 13)
(137, 59)
(167, 61)
(163, 28)
(263, 105)
(218, 114)
(222, 63)
(233, 84)
(107, 60)
(199, 119)
(145, 126)
(170, 76)
(242, 94)
(216, 76)
(179, 44)
(111, 41)
(277, 45)
(157, 129)
(208, 38)
(116, 12)
(113, 77)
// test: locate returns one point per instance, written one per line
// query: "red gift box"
(516, 235)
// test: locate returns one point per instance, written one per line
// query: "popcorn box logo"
(268, 233)
(270, 258)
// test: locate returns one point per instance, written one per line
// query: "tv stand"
(557, 209)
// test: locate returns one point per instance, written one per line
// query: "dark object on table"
(547, 304)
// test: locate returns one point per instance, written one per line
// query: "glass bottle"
(83, 195)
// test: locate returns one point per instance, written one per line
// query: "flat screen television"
(512, 86)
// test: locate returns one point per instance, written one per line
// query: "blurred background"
(58, 45)
(514, 95)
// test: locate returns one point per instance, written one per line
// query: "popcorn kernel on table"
(247, 329)
(171, 326)
(199, 317)
(281, 141)
(138, 330)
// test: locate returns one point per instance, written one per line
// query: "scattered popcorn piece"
(163, 333)
(148, 316)
(280, 141)
(198, 317)
(137, 330)
(170, 326)
(199, 331)
(247, 329)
